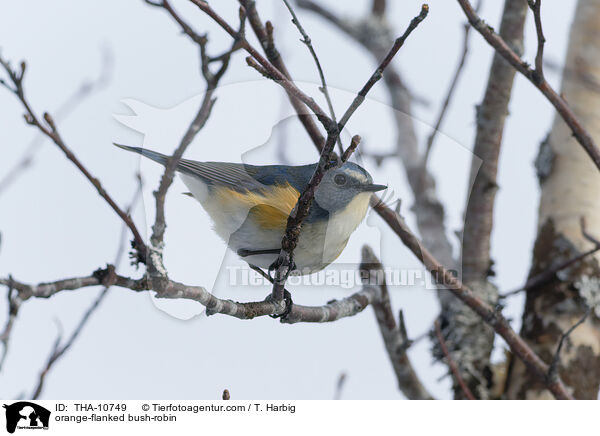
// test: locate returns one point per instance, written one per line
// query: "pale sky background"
(54, 225)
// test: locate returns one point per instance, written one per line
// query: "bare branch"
(273, 71)
(489, 314)
(339, 386)
(450, 92)
(383, 65)
(378, 8)
(394, 336)
(185, 28)
(351, 148)
(451, 364)
(264, 33)
(553, 370)
(83, 91)
(253, 64)
(166, 288)
(536, 7)
(48, 128)
(14, 304)
(562, 107)
(550, 274)
(212, 80)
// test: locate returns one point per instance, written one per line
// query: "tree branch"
(550, 274)
(398, 43)
(332, 311)
(278, 76)
(559, 103)
(553, 370)
(489, 314)
(14, 304)
(166, 288)
(212, 81)
(450, 362)
(265, 36)
(59, 350)
(394, 336)
(536, 7)
(50, 130)
(450, 92)
(86, 89)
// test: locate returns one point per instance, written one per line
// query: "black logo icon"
(26, 415)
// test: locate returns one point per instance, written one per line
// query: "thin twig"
(351, 148)
(308, 42)
(378, 8)
(273, 71)
(86, 89)
(383, 65)
(451, 363)
(536, 7)
(451, 89)
(549, 275)
(553, 370)
(264, 33)
(185, 28)
(339, 386)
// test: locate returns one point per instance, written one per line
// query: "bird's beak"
(373, 187)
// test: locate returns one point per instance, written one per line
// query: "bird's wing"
(233, 175)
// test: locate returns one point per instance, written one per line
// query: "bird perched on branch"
(250, 206)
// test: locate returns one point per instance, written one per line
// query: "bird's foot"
(287, 298)
(281, 260)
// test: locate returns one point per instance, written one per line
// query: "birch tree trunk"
(570, 186)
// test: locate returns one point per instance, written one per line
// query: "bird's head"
(341, 185)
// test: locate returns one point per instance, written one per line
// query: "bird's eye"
(340, 179)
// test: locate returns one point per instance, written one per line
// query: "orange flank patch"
(270, 207)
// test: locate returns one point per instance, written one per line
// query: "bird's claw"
(287, 298)
(278, 263)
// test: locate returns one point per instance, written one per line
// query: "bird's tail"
(153, 155)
